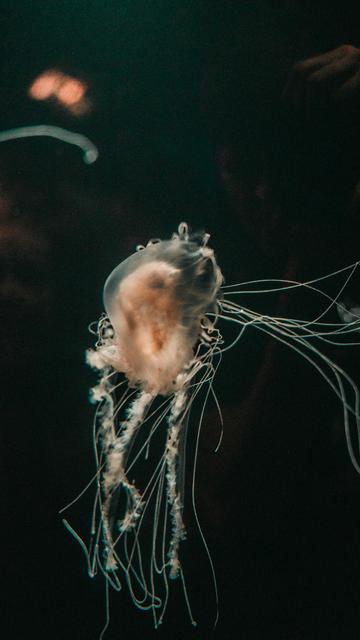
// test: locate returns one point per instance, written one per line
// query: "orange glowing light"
(71, 91)
(46, 85)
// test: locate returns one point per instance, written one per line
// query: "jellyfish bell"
(155, 301)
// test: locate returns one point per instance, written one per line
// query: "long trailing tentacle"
(115, 476)
(173, 490)
(302, 337)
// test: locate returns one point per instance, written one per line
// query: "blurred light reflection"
(66, 90)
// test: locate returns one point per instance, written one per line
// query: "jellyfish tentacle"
(286, 284)
(134, 553)
(115, 475)
(295, 334)
(173, 493)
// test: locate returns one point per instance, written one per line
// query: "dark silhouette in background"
(241, 118)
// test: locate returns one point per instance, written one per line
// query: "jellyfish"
(159, 346)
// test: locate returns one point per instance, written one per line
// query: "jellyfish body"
(158, 348)
(156, 333)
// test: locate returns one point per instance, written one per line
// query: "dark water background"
(279, 503)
